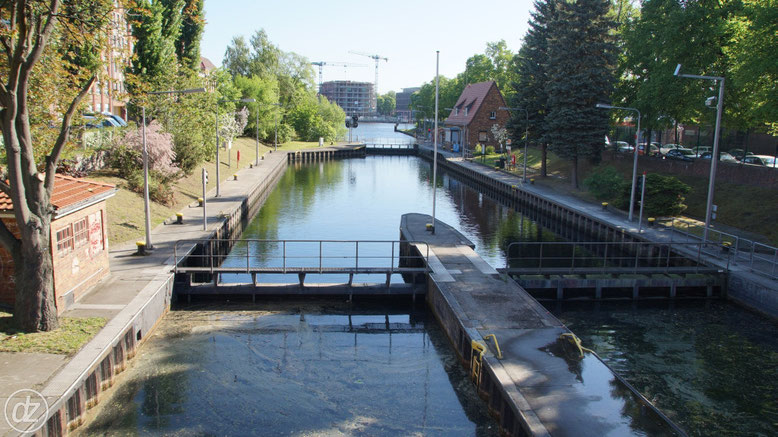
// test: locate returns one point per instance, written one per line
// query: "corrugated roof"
(67, 192)
(471, 98)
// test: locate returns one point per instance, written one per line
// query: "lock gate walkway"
(534, 374)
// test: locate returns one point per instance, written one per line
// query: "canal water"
(313, 368)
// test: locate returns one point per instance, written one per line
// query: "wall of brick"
(7, 280)
(75, 271)
(482, 123)
(766, 177)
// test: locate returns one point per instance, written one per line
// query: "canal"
(305, 368)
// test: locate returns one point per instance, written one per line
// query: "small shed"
(476, 111)
(79, 239)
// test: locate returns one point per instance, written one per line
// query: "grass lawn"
(741, 208)
(125, 209)
(66, 340)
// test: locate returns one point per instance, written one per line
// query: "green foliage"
(125, 160)
(155, 62)
(489, 150)
(605, 183)
(665, 195)
(478, 149)
(188, 44)
(580, 72)
(387, 103)
(317, 117)
(265, 92)
(160, 186)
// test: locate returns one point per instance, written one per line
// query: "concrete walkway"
(123, 293)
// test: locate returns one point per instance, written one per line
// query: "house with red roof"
(476, 111)
(79, 239)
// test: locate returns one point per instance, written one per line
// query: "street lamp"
(218, 164)
(146, 205)
(526, 135)
(634, 160)
(715, 153)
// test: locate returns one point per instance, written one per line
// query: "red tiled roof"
(471, 98)
(67, 192)
(206, 65)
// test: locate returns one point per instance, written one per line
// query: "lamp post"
(218, 164)
(634, 160)
(715, 153)
(146, 205)
(435, 136)
(526, 135)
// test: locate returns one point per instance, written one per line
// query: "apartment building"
(108, 94)
(356, 98)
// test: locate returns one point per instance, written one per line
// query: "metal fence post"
(248, 264)
(356, 256)
(283, 257)
(320, 244)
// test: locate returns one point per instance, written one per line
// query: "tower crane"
(321, 64)
(377, 59)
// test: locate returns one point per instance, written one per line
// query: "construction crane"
(377, 59)
(321, 64)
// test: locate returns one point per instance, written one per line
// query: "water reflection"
(299, 369)
(710, 366)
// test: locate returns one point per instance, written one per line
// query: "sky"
(407, 32)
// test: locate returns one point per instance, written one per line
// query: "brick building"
(108, 93)
(79, 239)
(402, 107)
(474, 114)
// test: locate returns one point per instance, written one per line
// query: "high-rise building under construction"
(356, 98)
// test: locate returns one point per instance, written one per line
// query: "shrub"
(478, 149)
(160, 190)
(159, 145)
(664, 195)
(490, 150)
(606, 183)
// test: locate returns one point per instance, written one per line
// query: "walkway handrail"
(758, 257)
(214, 260)
(604, 257)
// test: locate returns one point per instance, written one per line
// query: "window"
(65, 241)
(492, 115)
(456, 111)
(81, 232)
(466, 111)
(482, 136)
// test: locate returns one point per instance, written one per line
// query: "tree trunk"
(543, 157)
(35, 308)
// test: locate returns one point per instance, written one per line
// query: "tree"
(529, 88)
(159, 145)
(387, 103)
(188, 44)
(580, 73)
(30, 29)
(155, 63)
(237, 57)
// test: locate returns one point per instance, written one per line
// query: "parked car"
(739, 153)
(681, 154)
(623, 147)
(94, 122)
(723, 156)
(762, 160)
(667, 147)
(699, 150)
(653, 149)
(115, 118)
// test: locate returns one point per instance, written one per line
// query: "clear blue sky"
(408, 32)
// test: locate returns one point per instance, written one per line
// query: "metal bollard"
(141, 248)
(179, 218)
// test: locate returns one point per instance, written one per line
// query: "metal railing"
(298, 256)
(598, 257)
(757, 257)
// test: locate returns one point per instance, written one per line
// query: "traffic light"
(355, 122)
(348, 122)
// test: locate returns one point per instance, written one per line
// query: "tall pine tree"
(580, 75)
(532, 76)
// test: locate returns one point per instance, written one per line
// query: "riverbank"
(132, 299)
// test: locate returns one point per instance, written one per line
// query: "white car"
(761, 160)
(667, 147)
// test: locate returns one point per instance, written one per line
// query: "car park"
(760, 160)
(723, 156)
(681, 154)
(699, 150)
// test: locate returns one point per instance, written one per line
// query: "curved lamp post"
(715, 153)
(634, 160)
